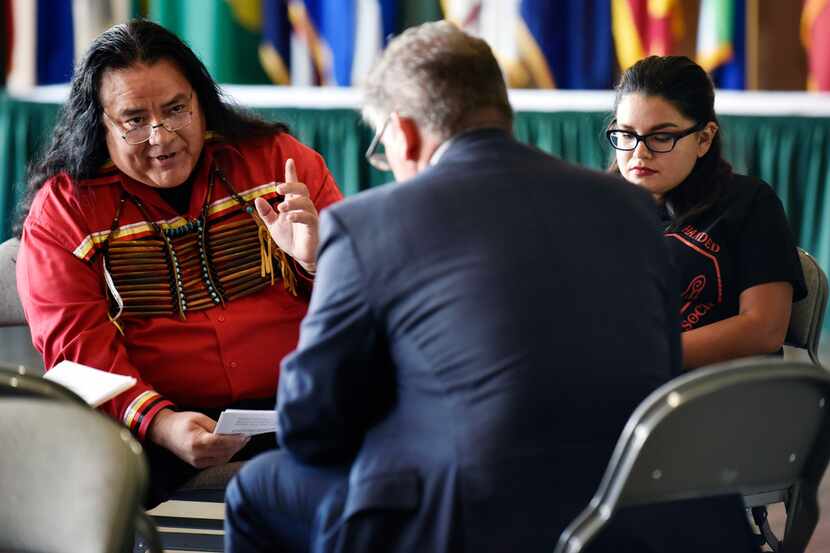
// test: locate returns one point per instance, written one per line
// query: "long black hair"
(686, 86)
(78, 145)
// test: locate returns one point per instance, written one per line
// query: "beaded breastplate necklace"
(193, 266)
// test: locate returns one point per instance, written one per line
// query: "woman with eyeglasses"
(735, 255)
(145, 249)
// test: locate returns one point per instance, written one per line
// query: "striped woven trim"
(219, 207)
(139, 407)
(86, 249)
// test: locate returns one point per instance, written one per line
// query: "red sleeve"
(67, 310)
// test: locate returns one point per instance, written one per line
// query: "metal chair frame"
(815, 304)
(15, 384)
(790, 465)
(171, 539)
(16, 381)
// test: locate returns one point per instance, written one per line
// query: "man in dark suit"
(478, 333)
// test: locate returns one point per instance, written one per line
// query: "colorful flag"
(815, 35)
(645, 27)
(721, 49)
(225, 34)
(574, 39)
(93, 17)
(377, 22)
(499, 22)
(543, 43)
(335, 42)
(275, 49)
(42, 50)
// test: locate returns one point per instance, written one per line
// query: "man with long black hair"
(141, 252)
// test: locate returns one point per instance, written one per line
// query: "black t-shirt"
(740, 242)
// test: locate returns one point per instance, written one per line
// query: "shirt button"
(234, 364)
(221, 318)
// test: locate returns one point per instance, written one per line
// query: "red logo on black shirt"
(697, 302)
(693, 291)
(701, 238)
(691, 294)
(691, 320)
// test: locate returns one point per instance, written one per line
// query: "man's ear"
(411, 135)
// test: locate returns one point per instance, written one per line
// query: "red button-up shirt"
(212, 358)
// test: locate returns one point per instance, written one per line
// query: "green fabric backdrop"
(791, 153)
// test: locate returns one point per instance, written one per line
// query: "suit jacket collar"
(456, 145)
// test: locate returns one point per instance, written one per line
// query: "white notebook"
(93, 385)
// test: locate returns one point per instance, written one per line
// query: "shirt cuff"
(307, 277)
(139, 414)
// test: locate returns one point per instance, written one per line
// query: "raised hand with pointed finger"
(294, 224)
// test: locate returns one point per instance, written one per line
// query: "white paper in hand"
(245, 421)
(93, 385)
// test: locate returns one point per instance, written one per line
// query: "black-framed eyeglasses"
(138, 134)
(375, 158)
(660, 142)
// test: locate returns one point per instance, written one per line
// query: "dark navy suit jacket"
(477, 337)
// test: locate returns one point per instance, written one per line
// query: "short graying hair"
(437, 75)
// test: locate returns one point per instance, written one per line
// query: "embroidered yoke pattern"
(200, 264)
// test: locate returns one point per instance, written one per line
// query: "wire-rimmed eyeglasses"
(660, 142)
(375, 158)
(138, 134)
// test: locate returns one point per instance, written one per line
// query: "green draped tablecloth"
(791, 153)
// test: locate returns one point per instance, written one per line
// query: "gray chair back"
(699, 435)
(14, 381)
(15, 339)
(208, 485)
(11, 311)
(72, 479)
(808, 313)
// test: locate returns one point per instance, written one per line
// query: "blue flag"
(342, 37)
(721, 42)
(275, 50)
(575, 39)
(55, 44)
